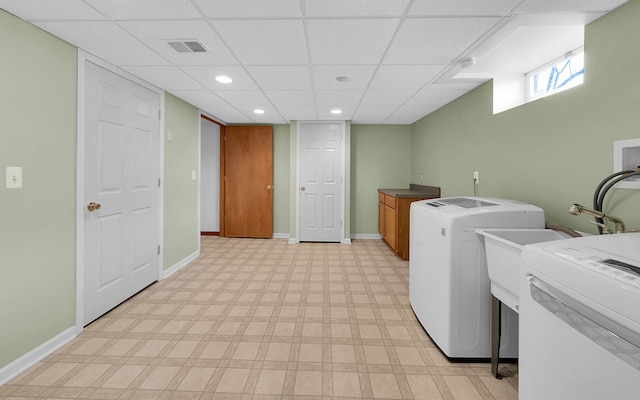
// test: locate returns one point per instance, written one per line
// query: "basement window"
(560, 74)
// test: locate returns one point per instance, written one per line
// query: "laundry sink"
(503, 248)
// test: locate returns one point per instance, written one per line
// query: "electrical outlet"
(476, 177)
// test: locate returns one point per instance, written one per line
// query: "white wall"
(210, 176)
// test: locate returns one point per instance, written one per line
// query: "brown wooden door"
(248, 181)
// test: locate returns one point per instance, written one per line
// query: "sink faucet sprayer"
(598, 200)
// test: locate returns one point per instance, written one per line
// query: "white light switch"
(170, 136)
(193, 175)
(14, 177)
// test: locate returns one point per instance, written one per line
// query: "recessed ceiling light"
(258, 111)
(336, 111)
(342, 79)
(223, 79)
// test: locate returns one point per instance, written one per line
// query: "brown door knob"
(94, 206)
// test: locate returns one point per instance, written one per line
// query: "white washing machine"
(449, 288)
(580, 319)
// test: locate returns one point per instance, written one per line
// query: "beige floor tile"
(346, 384)
(214, 350)
(424, 387)
(278, 352)
(196, 379)
(123, 377)
(86, 376)
(462, 388)
(246, 351)
(385, 386)
(376, 355)
(310, 352)
(308, 383)
(270, 382)
(233, 380)
(159, 378)
(343, 353)
(265, 320)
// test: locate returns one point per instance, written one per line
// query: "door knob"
(268, 187)
(302, 188)
(94, 206)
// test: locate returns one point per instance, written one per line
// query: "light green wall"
(281, 172)
(181, 236)
(552, 152)
(379, 159)
(37, 223)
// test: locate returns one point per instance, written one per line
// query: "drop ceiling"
(401, 58)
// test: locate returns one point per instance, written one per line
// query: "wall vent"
(187, 46)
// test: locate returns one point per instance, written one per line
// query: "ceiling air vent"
(187, 46)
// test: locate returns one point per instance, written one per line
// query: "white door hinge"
(158, 249)
(159, 114)
(159, 180)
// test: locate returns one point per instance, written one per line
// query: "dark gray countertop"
(413, 191)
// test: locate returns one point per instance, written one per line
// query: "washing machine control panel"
(601, 262)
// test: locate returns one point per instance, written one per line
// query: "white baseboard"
(178, 266)
(23, 363)
(293, 240)
(367, 236)
(346, 241)
(280, 236)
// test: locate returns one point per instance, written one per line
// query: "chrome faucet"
(577, 209)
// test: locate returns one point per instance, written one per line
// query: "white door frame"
(343, 238)
(83, 58)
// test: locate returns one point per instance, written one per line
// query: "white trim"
(366, 236)
(31, 358)
(180, 264)
(280, 235)
(293, 241)
(83, 58)
(343, 178)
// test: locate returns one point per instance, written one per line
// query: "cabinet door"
(381, 218)
(390, 226)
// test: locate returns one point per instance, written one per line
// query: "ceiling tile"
(156, 33)
(349, 41)
(199, 97)
(249, 8)
(51, 10)
(339, 97)
(536, 6)
(325, 114)
(167, 77)
(410, 114)
(298, 113)
(149, 9)
(404, 76)
(243, 97)
(431, 97)
(371, 115)
(281, 77)
(105, 40)
(291, 97)
(206, 75)
(463, 7)
(271, 114)
(386, 97)
(273, 42)
(228, 114)
(359, 77)
(354, 8)
(436, 40)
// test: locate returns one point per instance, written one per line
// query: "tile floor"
(263, 319)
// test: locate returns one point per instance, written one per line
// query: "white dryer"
(449, 288)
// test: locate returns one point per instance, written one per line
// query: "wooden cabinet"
(394, 215)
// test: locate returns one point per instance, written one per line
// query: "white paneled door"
(121, 215)
(320, 190)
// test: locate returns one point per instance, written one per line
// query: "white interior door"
(121, 237)
(321, 182)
